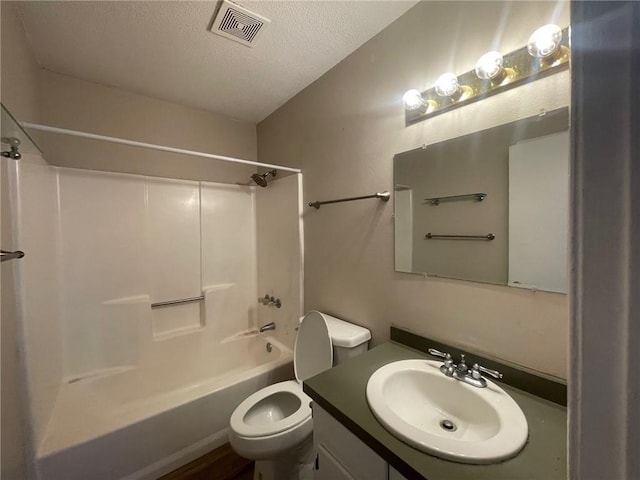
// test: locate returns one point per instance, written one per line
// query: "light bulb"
(545, 41)
(412, 100)
(489, 65)
(447, 85)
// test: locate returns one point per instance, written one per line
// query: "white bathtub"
(142, 423)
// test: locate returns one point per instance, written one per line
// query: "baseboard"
(181, 457)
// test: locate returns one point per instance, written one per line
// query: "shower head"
(261, 180)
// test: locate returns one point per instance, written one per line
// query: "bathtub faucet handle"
(270, 301)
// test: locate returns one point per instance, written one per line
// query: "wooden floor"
(220, 464)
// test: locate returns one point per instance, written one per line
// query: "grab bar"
(5, 255)
(177, 302)
(433, 236)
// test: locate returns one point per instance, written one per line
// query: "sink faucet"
(472, 376)
(268, 326)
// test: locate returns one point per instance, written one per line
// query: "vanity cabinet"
(352, 444)
(342, 455)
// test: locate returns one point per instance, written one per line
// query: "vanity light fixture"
(447, 85)
(545, 41)
(545, 44)
(413, 100)
(493, 73)
(490, 66)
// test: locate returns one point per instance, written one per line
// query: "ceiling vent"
(239, 24)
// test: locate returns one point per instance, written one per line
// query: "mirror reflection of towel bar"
(478, 197)
(433, 236)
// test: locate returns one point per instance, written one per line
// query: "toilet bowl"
(271, 421)
(273, 426)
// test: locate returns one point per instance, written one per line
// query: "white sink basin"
(445, 417)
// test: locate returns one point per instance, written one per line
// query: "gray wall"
(78, 105)
(344, 130)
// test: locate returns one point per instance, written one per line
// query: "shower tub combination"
(118, 385)
(136, 424)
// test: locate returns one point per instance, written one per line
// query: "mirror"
(491, 206)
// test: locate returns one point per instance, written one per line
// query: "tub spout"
(268, 326)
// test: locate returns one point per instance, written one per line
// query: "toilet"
(273, 426)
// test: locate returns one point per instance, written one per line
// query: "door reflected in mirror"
(491, 206)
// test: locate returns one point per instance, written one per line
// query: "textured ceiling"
(164, 49)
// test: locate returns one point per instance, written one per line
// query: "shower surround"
(118, 389)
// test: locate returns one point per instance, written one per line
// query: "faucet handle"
(439, 354)
(448, 359)
(477, 370)
(270, 301)
(448, 368)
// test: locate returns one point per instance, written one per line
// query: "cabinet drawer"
(358, 460)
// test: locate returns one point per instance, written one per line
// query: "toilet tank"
(348, 339)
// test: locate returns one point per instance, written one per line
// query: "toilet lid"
(313, 352)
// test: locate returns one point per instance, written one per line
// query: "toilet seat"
(242, 428)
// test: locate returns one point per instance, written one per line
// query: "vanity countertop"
(341, 391)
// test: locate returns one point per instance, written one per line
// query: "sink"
(445, 417)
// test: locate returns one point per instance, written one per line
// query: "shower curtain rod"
(123, 141)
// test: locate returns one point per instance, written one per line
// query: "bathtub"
(140, 423)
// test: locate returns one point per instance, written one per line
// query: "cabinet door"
(329, 468)
(395, 475)
(347, 450)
